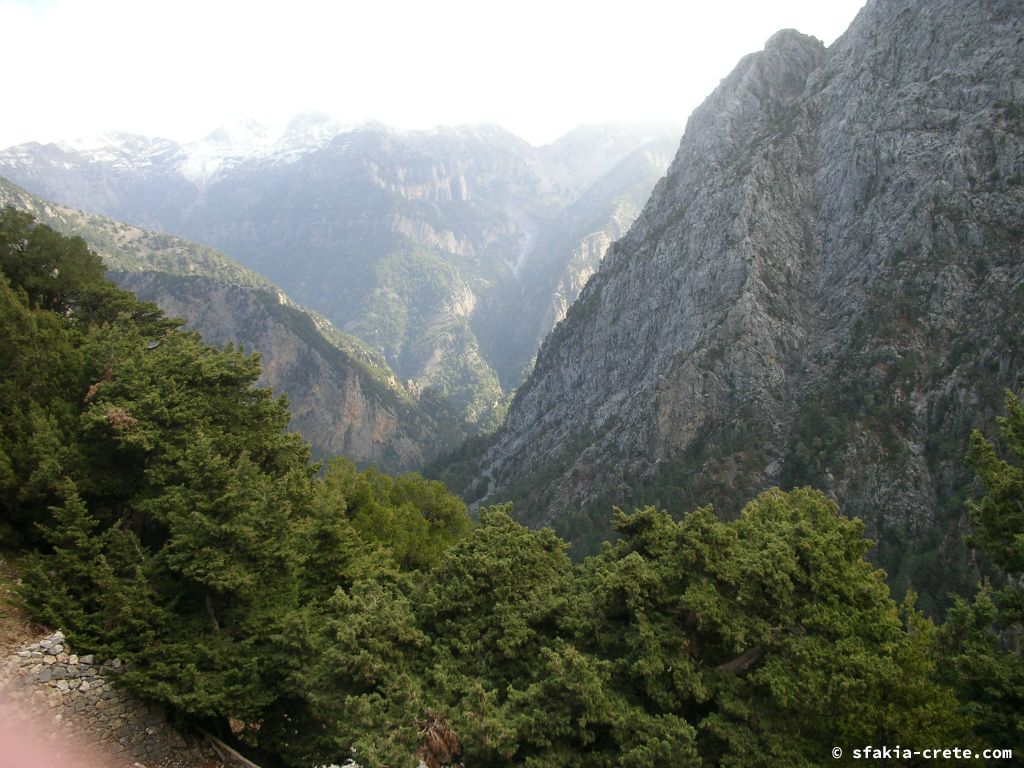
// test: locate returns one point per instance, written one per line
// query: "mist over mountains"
(451, 253)
(738, 457)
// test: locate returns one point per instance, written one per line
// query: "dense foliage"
(984, 637)
(175, 523)
(178, 524)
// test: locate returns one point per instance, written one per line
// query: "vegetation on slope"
(187, 271)
(126, 249)
(170, 519)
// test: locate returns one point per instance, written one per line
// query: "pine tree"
(770, 636)
(491, 608)
(984, 637)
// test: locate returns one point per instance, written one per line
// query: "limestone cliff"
(827, 288)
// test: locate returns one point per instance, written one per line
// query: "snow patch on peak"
(308, 128)
(223, 148)
(306, 132)
(126, 151)
(246, 140)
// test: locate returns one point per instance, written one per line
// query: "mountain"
(451, 252)
(827, 288)
(342, 396)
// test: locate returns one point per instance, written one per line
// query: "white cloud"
(537, 67)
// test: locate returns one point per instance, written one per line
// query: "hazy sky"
(180, 68)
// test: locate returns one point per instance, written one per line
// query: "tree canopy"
(983, 638)
(336, 612)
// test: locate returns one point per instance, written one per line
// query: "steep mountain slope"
(827, 288)
(451, 252)
(343, 398)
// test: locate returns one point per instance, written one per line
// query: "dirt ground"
(15, 628)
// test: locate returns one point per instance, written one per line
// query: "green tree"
(362, 682)
(189, 484)
(998, 517)
(413, 519)
(159, 484)
(54, 271)
(53, 298)
(491, 608)
(766, 639)
(39, 368)
(984, 637)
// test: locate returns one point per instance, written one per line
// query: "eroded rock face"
(340, 408)
(826, 288)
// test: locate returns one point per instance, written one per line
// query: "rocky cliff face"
(439, 249)
(827, 288)
(340, 406)
(343, 398)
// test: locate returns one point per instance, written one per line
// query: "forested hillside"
(342, 396)
(170, 519)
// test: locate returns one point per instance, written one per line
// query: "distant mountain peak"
(312, 123)
(453, 250)
(240, 133)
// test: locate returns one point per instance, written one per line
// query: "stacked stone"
(76, 691)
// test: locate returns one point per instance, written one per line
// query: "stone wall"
(77, 697)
